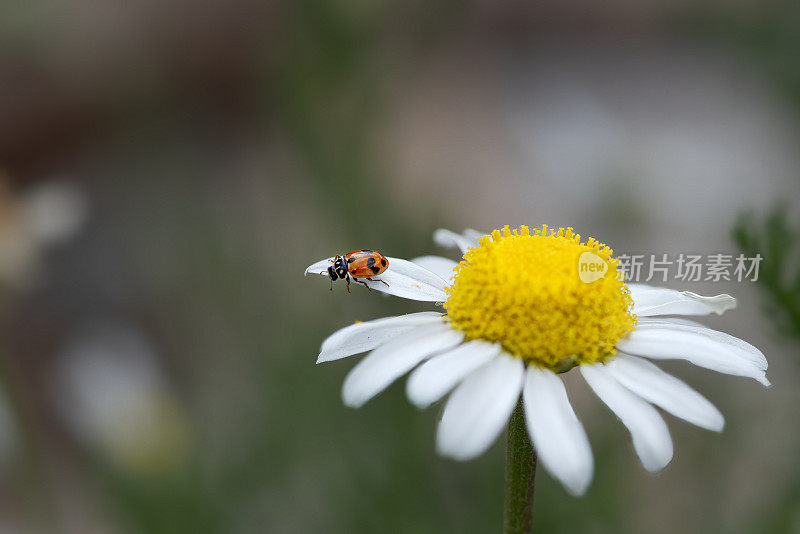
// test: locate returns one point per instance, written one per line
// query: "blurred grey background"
(168, 169)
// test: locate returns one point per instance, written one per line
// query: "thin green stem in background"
(520, 473)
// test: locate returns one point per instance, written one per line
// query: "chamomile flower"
(517, 314)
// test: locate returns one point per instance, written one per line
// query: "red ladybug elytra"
(358, 264)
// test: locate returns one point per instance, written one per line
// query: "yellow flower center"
(545, 296)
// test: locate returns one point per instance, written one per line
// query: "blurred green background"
(168, 169)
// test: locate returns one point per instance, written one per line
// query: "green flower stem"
(520, 472)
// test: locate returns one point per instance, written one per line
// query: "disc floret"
(523, 289)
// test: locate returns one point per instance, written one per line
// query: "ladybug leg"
(365, 284)
(381, 281)
(348, 283)
(331, 284)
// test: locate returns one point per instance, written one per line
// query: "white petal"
(665, 391)
(443, 267)
(320, 267)
(555, 431)
(469, 233)
(668, 321)
(361, 337)
(446, 238)
(651, 300)
(649, 431)
(702, 346)
(401, 279)
(385, 364)
(478, 410)
(410, 281)
(435, 378)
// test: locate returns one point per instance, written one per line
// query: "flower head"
(522, 290)
(517, 314)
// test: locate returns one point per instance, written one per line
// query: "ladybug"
(358, 264)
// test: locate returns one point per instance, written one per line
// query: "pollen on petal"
(526, 289)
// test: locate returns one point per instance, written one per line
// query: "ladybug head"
(332, 273)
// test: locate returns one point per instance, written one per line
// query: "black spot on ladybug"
(353, 271)
(375, 270)
(350, 260)
(371, 263)
(383, 262)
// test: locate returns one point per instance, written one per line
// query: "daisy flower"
(517, 315)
